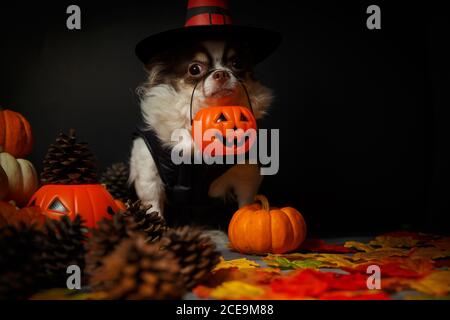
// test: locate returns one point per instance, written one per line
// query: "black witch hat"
(210, 19)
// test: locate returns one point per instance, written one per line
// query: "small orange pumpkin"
(224, 120)
(15, 134)
(91, 201)
(259, 229)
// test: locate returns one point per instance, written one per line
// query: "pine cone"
(63, 246)
(33, 259)
(116, 180)
(20, 261)
(135, 220)
(196, 251)
(137, 270)
(152, 224)
(104, 239)
(69, 162)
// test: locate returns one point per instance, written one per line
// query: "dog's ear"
(158, 68)
(155, 60)
(242, 49)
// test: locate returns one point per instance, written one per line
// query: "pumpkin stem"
(264, 202)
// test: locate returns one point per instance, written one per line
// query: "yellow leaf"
(65, 294)
(52, 294)
(270, 270)
(236, 290)
(386, 241)
(435, 284)
(332, 260)
(236, 263)
(358, 246)
(380, 254)
(443, 244)
(328, 260)
(335, 260)
(431, 252)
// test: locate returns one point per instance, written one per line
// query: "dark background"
(362, 113)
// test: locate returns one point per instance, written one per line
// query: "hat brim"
(261, 42)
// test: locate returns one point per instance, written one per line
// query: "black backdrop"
(361, 112)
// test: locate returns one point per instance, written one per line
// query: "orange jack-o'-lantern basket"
(223, 125)
(70, 185)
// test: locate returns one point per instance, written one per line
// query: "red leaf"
(442, 263)
(347, 282)
(202, 291)
(343, 295)
(312, 283)
(305, 283)
(318, 245)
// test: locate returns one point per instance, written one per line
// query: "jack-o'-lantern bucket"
(225, 125)
(92, 201)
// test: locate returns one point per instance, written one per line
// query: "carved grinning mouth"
(233, 143)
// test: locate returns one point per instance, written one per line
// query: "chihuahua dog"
(216, 69)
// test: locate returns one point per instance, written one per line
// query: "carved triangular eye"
(110, 211)
(221, 118)
(243, 118)
(58, 206)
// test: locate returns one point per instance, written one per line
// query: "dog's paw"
(218, 189)
(219, 238)
(152, 207)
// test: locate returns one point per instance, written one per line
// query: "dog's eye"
(237, 64)
(195, 69)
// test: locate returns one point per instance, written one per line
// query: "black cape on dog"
(186, 188)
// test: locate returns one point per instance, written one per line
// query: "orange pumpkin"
(15, 134)
(233, 121)
(92, 201)
(259, 229)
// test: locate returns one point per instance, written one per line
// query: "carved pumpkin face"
(226, 130)
(92, 201)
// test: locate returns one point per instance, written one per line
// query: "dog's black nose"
(221, 75)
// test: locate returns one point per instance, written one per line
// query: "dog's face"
(215, 69)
